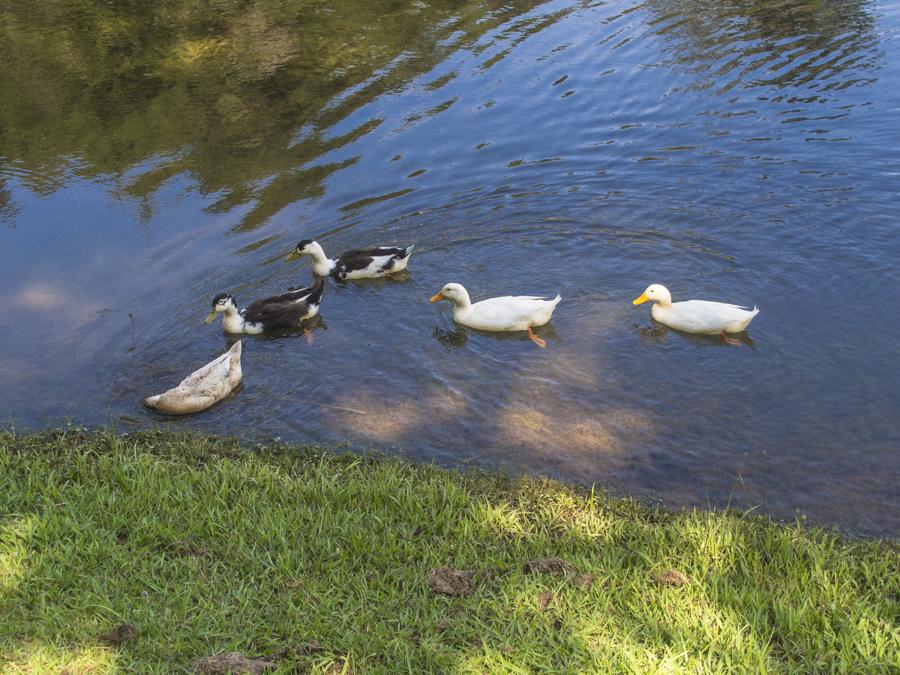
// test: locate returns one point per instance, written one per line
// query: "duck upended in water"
(370, 263)
(280, 312)
(202, 388)
(696, 316)
(507, 313)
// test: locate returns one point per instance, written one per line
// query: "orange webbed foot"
(540, 342)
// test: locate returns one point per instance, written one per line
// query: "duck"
(280, 312)
(202, 388)
(370, 263)
(503, 314)
(697, 316)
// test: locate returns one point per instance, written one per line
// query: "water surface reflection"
(152, 155)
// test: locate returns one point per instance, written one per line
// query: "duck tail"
(748, 318)
(409, 250)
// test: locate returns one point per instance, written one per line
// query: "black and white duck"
(281, 312)
(370, 263)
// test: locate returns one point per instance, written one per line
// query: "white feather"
(202, 388)
(506, 313)
(696, 316)
(703, 316)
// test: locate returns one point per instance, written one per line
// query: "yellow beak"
(211, 317)
(293, 255)
(436, 297)
(641, 299)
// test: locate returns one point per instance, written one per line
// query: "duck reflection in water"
(306, 330)
(459, 337)
(658, 334)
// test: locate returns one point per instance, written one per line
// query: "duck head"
(654, 293)
(305, 247)
(455, 293)
(223, 302)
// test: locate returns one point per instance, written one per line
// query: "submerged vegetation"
(154, 551)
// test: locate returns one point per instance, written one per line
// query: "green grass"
(205, 546)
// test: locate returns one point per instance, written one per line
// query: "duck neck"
(462, 304)
(660, 310)
(321, 263)
(233, 321)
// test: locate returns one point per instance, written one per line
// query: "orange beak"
(437, 297)
(639, 300)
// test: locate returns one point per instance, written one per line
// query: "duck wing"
(511, 311)
(704, 316)
(203, 387)
(517, 305)
(360, 259)
(214, 371)
(285, 310)
(396, 257)
(376, 252)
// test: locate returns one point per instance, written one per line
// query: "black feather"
(360, 259)
(350, 262)
(286, 310)
(373, 252)
(316, 292)
(402, 254)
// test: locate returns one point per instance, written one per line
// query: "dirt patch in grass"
(545, 599)
(231, 663)
(448, 581)
(309, 647)
(552, 566)
(670, 578)
(116, 636)
(188, 550)
(584, 581)
(339, 667)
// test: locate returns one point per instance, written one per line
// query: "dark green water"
(154, 154)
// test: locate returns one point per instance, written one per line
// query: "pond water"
(738, 150)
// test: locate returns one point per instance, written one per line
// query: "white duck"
(507, 313)
(203, 387)
(696, 316)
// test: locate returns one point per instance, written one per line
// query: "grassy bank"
(310, 561)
